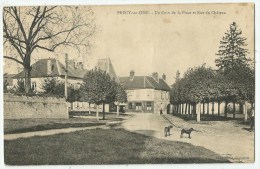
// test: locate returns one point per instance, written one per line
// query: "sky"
(181, 36)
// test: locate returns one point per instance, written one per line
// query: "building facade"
(146, 93)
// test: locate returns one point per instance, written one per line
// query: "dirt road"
(226, 138)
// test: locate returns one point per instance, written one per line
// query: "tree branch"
(12, 58)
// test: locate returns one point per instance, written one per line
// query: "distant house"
(146, 93)
(45, 68)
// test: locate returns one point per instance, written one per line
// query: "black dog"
(186, 131)
(167, 131)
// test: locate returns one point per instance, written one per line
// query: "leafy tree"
(27, 29)
(98, 88)
(232, 52)
(52, 86)
(234, 65)
(121, 95)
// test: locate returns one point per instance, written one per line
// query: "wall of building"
(140, 95)
(22, 107)
(161, 100)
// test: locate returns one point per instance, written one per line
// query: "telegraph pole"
(66, 76)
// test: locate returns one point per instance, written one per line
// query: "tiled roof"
(39, 69)
(144, 82)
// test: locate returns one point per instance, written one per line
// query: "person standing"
(161, 109)
(252, 121)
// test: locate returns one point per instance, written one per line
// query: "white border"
(125, 2)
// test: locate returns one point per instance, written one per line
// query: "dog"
(167, 131)
(186, 131)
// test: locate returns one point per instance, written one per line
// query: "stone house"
(146, 93)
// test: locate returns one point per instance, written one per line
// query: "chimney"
(132, 74)
(164, 77)
(155, 76)
(49, 67)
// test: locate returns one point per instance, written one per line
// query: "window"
(138, 106)
(148, 106)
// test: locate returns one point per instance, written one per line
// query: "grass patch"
(111, 146)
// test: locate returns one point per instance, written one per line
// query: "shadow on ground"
(104, 146)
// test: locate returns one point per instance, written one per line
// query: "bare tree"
(28, 29)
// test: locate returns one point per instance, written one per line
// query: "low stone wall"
(22, 107)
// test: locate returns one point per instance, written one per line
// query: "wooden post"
(198, 112)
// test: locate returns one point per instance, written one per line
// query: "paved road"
(224, 138)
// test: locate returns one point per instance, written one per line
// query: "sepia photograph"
(128, 84)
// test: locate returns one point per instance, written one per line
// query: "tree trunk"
(97, 111)
(245, 112)
(27, 79)
(186, 108)
(103, 111)
(203, 109)
(213, 107)
(89, 108)
(117, 109)
(226, 104)
(208, 108)
(218, 108)
(234, 110)
(189, 109)
(198, 112)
